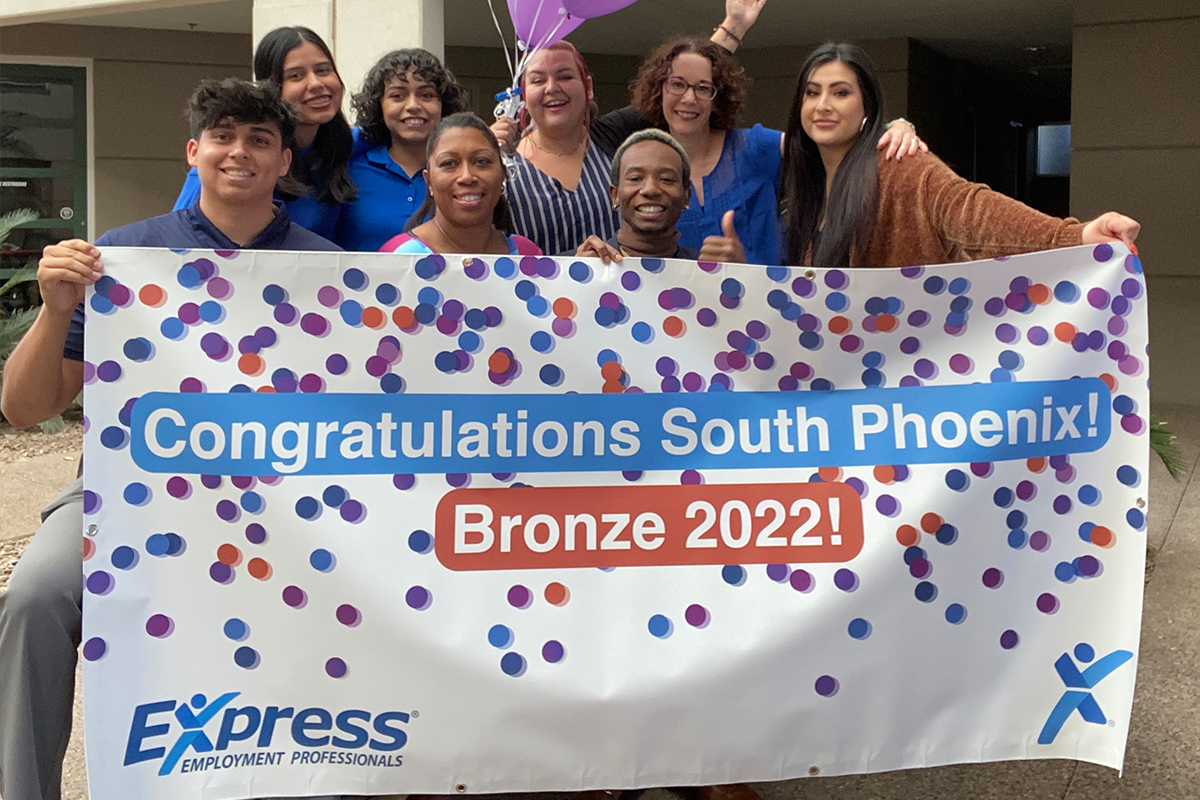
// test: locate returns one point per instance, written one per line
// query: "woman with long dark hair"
(403, 97)
(299, 63)
(465, 210)
(848, 207)
(696, 89)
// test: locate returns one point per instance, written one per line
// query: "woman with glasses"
(563, 148)
(696, 90)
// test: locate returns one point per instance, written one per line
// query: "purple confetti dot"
(419, 598)
(846, 580)
(348, 615)
(1039, 541)
(1047, 603)
(553, 651)
(294, 596)
(335, 668)
(403, 481)
(801, 580)
(691, 477)
(94, 648)
(992, 578)
(697, 616)
(160, 626)
(520, 596)
(826, 686)
(887, 505)
(1009, 639)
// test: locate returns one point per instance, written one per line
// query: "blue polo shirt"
(188, 228)
(387, 197)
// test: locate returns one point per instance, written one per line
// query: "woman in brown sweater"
(847, 206)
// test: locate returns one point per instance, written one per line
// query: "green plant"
(1164, 444)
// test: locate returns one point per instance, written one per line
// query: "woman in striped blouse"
(558, 188)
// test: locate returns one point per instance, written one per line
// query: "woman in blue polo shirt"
(300, 65)
(403, 97)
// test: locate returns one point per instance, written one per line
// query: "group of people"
(276, 165)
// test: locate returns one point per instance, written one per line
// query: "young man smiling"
(241, 139)
(650, 187)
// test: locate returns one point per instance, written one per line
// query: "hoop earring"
(863, 127)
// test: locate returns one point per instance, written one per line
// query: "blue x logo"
(193, 735)
(1075, 680)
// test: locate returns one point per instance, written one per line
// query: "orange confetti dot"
(374, 318)
(886, 323)
(259, 568)
(907, 535)
(1065, 332)
(557, 594)
(613, 387)
(840, 325)
(930, 522)
(1103, 537)
(265, 390)
(1036, 464)
(229, 555)
(565, 308)
(251, 364)
(404, 317)
(830, 474)
(885, 473)
(673, 326)
(89, 549)
(499, 362)
(1039, 293)
(1109, 381)
(152, 295)
(611, 371)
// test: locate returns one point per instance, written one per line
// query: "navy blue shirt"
(386, 198)
(687, 253)
(189, 228)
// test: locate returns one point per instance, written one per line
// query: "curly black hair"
(729, 77)
(368, 101)
(243, 102)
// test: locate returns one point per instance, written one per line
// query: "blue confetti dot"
(445, 361)
(955, 613)
(935, 285)
(420, 541)
(659, 626)
(505, 267)
(1135, 518)
(136, 494)
(469, 341)
(1066, 292)
(1128, 475)
(1065, 571)
(1003, 497)
(157, 544)
(113, 437)
(387, 294)
(211, 311)
(606, 355)
(333, 496)
(351, 313)
(354, 279)
(947, 533)
(124, 557)
(500, 636)
(173, 328)
(321, 560)
(273, 294)
(550, 374)
(429, 295)
(579, 272)
(1089, 495)
(391, 383)
(642, 332)
(512, 664)
(836, 301)
(308, 507)
(859, 628)
(236, 629)
(926, 592)
(541, 341)
(525, 289)
(959, 286)
(252, 502)
(1017, 539)
(957, 480)
(733, 574)
(1016, 519)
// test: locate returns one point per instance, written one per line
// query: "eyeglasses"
(678, 86)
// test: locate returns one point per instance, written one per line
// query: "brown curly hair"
(729, 77)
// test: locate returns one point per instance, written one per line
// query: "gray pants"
(40, 619)
(39, 635)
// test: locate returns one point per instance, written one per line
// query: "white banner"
(365, 524)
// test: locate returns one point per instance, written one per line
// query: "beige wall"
(142, 79)
(1136, 138)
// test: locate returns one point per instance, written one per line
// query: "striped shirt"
(556, 219)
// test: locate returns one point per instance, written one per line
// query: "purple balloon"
(539, 23)
(590, 9)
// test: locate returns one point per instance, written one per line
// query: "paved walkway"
(1163, 759)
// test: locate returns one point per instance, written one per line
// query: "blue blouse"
(387, 197)
(307, 211)
(746, 179)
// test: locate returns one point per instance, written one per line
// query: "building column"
(359, 31)
(1135, 135)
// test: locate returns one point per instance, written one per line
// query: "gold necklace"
(534, 138)
(456, 245)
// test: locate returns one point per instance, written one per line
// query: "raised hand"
(1112, 227)
(726, 248)
(900, 140)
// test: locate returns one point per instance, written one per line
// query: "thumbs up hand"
(726, 248)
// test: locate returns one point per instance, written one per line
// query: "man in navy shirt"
(651, 185)
(241, 144)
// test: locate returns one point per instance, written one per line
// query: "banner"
(367, 524)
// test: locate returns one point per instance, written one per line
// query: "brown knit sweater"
(930, 215)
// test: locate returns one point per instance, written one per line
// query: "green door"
(43, 161)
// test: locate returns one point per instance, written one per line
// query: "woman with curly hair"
(696, 89)
(403, 97)
(298, 62)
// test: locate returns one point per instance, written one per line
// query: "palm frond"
(12, 329)
(23, 275)
(15, 219)
(1166, 446)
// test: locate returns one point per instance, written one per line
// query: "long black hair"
(324, 172)
(849, 211)
(502, 215)
(368, 102)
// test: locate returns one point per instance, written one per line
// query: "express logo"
(352, 729)
(1079, 685)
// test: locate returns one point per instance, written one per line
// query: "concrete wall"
(1136, 140)
(142, 79)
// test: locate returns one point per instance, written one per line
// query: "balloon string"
(532, 51)
(504, 45)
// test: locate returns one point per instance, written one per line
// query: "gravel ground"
(18, 445)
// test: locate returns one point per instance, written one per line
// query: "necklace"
(534, 138)
(455, 244)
